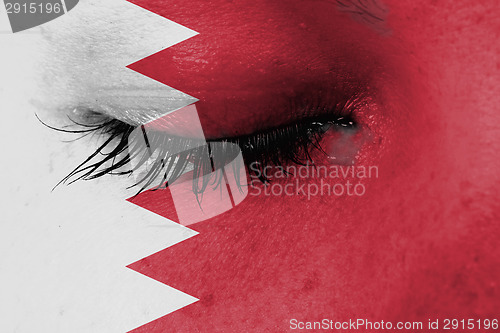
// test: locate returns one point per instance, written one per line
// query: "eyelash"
(277, 147)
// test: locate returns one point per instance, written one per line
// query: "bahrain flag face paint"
(253, 166)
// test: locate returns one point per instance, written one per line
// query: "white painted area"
(86, 51)
(4, 20)
(63, 253)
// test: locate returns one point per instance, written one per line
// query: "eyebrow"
(372, 13)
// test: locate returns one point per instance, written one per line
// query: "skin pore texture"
(421, 242)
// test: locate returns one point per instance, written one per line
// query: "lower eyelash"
(276, 147)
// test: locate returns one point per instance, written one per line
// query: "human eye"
(298, 142)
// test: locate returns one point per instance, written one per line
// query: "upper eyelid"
(344, 108)
(301, 106)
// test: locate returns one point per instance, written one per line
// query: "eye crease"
(278, 146)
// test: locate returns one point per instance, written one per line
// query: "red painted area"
(256, 63)
(421, 244)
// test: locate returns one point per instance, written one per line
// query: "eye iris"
(342, 142)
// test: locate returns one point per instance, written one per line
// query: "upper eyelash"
(290, 144)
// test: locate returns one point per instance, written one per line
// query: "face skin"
(422, 242)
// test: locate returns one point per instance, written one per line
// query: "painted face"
(419, 82)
